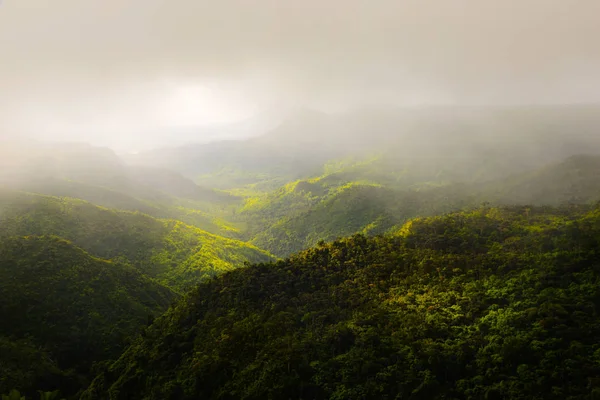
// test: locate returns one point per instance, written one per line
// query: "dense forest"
(492, 303)
(378, 255)
(174, 253)
(64, 310)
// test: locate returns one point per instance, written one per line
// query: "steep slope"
(372, 195)
(302, 213)
(185, 211)
(355, 208)
(495, 304)
(176, 254)
(351, 209)
(74, 307)
(99, 176)
(98, 195)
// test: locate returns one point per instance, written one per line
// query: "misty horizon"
(262, 124)
(309, 199)
(115, 74)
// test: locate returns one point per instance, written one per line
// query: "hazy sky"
(106, 70)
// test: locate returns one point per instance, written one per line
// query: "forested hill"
(98, 175)
(63, 310)
(176, 254)
(302, 213)
(372, 197)
(504, 139)
(481, 303)
(497, 303)
(79, 281)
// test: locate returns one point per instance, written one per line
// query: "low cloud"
(121, 67)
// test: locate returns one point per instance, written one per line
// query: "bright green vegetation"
(62, 310)
(78, 281)
(316, 213)
(348, 200)
(299, 184)
(187, 211)
(430, 286)
(496, 303)
(175, 254)
(97, 175)
(423, 161)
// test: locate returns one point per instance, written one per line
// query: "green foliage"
(302, 213)
(159, 205)
(26, 365)
(66, 309)
(97, 175)
(373, 195)
(176, 254)
(491, 303)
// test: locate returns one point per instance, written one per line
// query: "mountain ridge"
(168, 244)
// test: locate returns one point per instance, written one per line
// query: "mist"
(133, 74)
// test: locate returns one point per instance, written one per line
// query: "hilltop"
(494, 303)
(176, 254)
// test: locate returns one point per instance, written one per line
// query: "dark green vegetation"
(493, 303)
(313, 177)
(16, 395)
(320, 177)
(176, 254)
(62, 310)
(488, 301)
(78, 281)
(358, 197)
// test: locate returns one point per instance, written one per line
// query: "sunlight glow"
(197, 104)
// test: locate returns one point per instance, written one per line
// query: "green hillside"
(31, 161)
(97, 175)
(459, 142)
(176, 254)
(489, 304)
(65, 310)
(302, 213)
(360, 197)
(430, 253)
(350, 209)
(183, 210)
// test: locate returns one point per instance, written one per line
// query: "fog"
(136, 74)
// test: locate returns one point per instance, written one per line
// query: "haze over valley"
(315, 200)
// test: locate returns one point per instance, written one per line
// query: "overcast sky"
(106, 70)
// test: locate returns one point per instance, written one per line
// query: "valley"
(440, 253)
